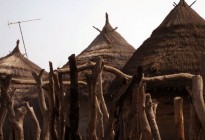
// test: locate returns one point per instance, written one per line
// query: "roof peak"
(182, 14)
(106, 18)
(16, 49)
(107, 28)
(182, 3)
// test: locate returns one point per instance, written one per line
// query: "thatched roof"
(175, 46)
(19, 66)
(109, 45)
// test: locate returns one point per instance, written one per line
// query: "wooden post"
(202, 71)
(18, 123)
(144, 124)
(91, 131)
(101, 100)
(74, 103)
(52, 104)
(4, 84)
(62, 109)
(197, 98)
(122, 94)
(42, 104)
(36, 127)
(179, 118)
(3, 109)
(151, 116)
(195, 126)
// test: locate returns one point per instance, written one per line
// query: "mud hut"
(175, 46)
(20, 67)
(109, 45)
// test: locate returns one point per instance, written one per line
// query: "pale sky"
(66, 25)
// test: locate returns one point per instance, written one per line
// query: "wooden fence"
(132, 114)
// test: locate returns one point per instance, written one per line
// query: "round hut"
(114, 50)
(109, 45)
(175, 46)
(20, 67)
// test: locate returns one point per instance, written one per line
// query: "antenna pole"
(23, 39)
(19, 23)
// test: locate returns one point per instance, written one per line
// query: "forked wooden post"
(18, 123)
(197, 98)
(179, 118)
(151, 116)
(42, 104)
(144, 124)
(36, 127)
(91, 131)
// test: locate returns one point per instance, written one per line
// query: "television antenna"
(19, 23)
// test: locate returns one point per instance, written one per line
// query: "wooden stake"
(144, 124)
(74, 103)
(179, 118)
(151, 116)
(36, 127)
(197, 98)
(42, 104)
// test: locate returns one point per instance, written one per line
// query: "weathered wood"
(100, 125)
(18, 123)
(168, 77)
(61, 131)
(90, 66)
(52, 104)
(194, 127)
(4, 85)
(109, 132)
(122, 100)
(155, 103)
(197, 98)
(42, 104)
(103, 114)
(91, 131)
(36, 127)
(202, 71)
(151, 116)
(74, 103)
(3, 113)
(45, 84)
(144, 124)
(101, 100)
(179, 118)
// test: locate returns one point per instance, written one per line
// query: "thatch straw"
(19, 67)
(109, 45)
(175, 46)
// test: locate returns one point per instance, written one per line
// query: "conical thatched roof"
(109, 45)
(21, 68)
(175, 46)
(16, 64)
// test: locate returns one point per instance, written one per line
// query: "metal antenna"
(192, 3)
(19, 23)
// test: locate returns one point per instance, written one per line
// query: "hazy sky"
(66, 25)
